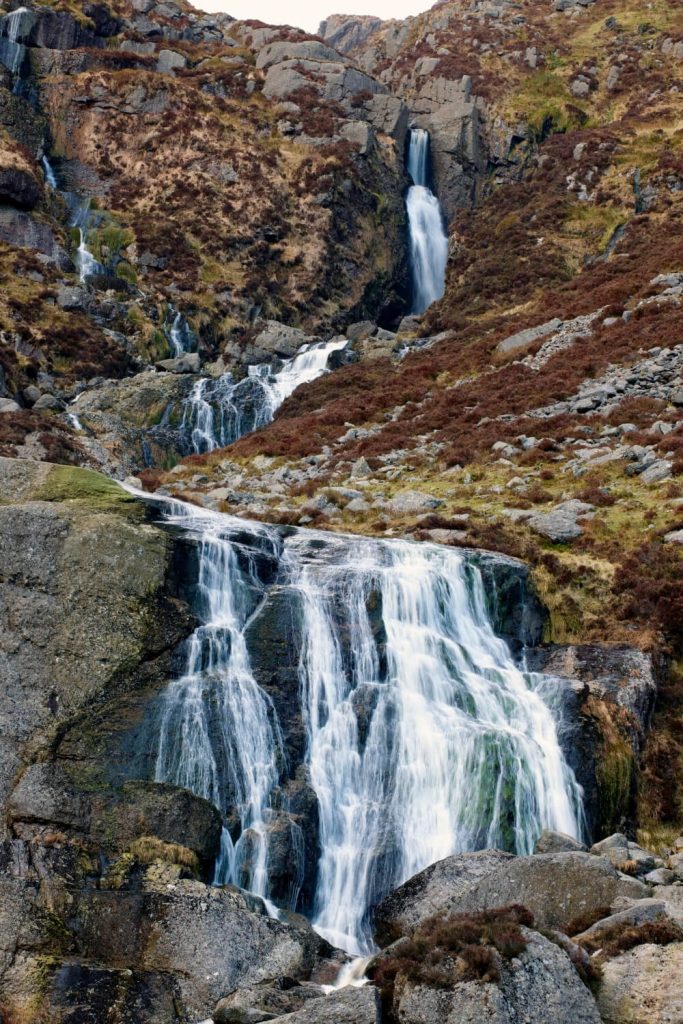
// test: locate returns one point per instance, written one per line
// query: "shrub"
(461, 947)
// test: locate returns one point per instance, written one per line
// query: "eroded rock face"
(643, 985)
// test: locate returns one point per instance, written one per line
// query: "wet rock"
(346, 1006)
(19, 188)
(604, 682)
(438, 888)
(538, 986)
(643, 985)
(557, 842)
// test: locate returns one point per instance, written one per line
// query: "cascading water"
(14, 31)
(424, 737)
(219, 736)
(179, 334)
(80, 216)
(428, 240)
(221, 410)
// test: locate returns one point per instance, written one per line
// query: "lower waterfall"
(220, 410)
(423, 736)
(428, 239)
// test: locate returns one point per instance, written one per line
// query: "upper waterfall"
(428, 240)
(422, 736)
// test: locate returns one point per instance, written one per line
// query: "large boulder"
(538, 986)
(556, 887)
(210, 940)
(436, 889)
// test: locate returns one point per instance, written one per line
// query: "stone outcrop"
(538, 986)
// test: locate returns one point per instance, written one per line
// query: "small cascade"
(218, 736)
(87, 265)
(80, 217)
(179, 334)
(14, 32)
(423, 736)
(50, 176)
(428, 240)
(220, 410)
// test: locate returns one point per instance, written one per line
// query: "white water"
(424, 736)
(428, 240)
(218, 734)
(219, 411)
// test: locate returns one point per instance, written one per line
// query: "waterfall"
(179, 334)
(428, 240)
(221, 410)
(423, 736)
(15, 28)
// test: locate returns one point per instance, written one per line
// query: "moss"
(72, 484)
(615, 774)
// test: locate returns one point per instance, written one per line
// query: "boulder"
(265, 1001)
(169, 60)
(557, 842)
(210, 940)
(436, 889)
(560, 524)
(277, 339)
(556, 887)
(283, 49)
(170, 813)
(49, 403)
(523, 339)
(409, 502)
(641, 912)
(189, 362)
(643, 986)
(538, 986)
(345, 1006)
(8, 405)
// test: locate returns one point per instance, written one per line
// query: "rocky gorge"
(340, 645)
